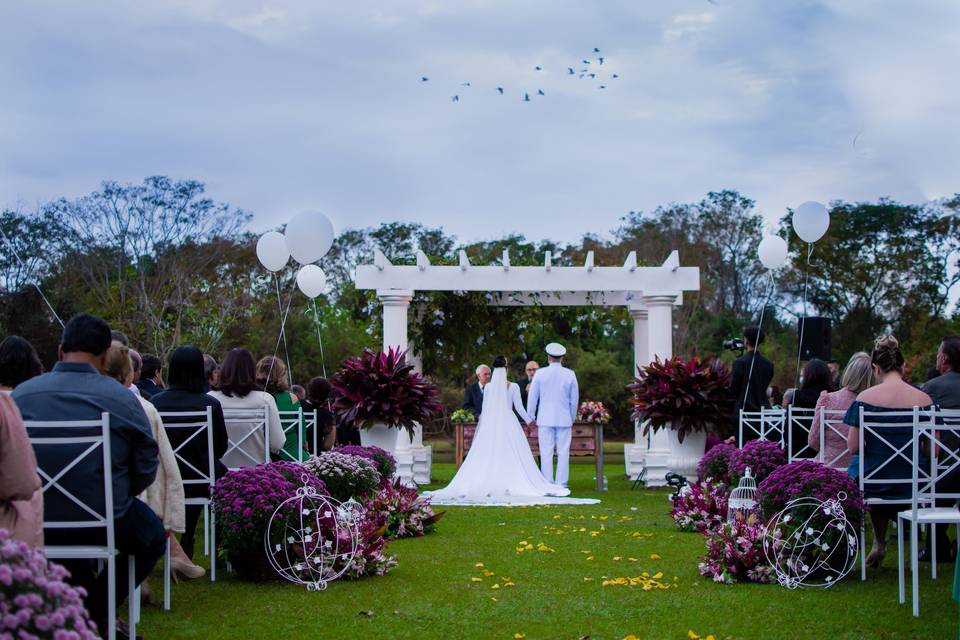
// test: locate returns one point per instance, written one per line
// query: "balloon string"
(756, 346)
(283, 333)
(283, 324)
(803, 319)
(33, 281)
(316, 321)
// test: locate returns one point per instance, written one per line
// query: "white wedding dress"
(499, 469)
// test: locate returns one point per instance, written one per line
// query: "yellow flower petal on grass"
(616, 557)
(478, 565)
(630, 637)
(487, 572)
(693, 635)
(496, 586)
(654, 556)
(519, 636)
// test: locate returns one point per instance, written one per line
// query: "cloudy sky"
(282, 106)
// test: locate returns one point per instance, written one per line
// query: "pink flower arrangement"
(762, 456)
(382, 459)
(371, 558)
(593, 413)
(408, 514)
(810, 478)
(715, 463)
(703, 509)
(735, 554)
(35, 599)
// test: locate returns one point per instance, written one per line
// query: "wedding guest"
(473, 394)
(150, 382)
(775, 396)
(166, 494)
(857, 377)
(892, 393)
(814, 380)
(186, 380)
(137, 362)
(21, 495)
(211, 371)
(835, 381)
(298, 392)
(752, 374)
(18, 362)
(120, 336)
(272, 378)
(76, 390)
(238, 390)
(318, 394)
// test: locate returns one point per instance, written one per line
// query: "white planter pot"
(379, 435)
(683, 458)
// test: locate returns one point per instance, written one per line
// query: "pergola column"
(660, 345)
(633, 454)
(396, 304)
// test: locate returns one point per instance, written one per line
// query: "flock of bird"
(590, 68)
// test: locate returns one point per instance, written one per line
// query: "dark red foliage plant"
(383, 388)
(688, 395)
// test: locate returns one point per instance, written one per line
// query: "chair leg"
(213, 545)
(932, 533)
(915, 568)
(902, 588)
(166, 576)
(112, 597)
(863, 551)
(133, 596)
(206, 529)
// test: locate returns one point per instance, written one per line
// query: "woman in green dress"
(272, 378)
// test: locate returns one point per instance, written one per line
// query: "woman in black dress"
(318, 394)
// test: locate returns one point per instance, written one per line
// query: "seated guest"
(835, 382)
(186, 380)
(857, 377)
(137, 361)
(298, 392)
(348, 434)
(150, 382)
(120, 336)
(318, 394)
(210, 372)
(892, 393)
(18, 362)
(238, 390)
(272, 378)
(814, 380)
(75, 390)
(21, 496)
(165, 496)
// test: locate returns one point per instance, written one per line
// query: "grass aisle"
(438, 591)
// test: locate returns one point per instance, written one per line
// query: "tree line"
(167, 265)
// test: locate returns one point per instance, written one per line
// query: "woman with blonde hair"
(857, 376)
(272, 378)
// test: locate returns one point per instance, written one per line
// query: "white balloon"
(312, 280)
(309, 236)
(810, 221)
(772, 251)
(272, 251)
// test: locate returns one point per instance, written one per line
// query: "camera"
(734, 344)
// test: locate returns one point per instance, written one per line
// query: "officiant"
(473, 394)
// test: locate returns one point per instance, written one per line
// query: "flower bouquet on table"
(761, 456)
(35, 599)
(592, 413)
(735, 553)
(462, 416)
(345, 476)
(703, 509)
(382, 459)
(383, 388)
(683, 395)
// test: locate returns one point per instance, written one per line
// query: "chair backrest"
(185, 428)
(293, 421)
(67, 451)
(799, 423)
(766, 424)
(243, 450)
(886, 453)
(310, 426)
(831, 422)
(937, 458)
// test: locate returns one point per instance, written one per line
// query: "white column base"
(657, 460)
(633, 458)
(422, 463)
(405, 467)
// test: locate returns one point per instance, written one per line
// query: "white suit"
(552, 401)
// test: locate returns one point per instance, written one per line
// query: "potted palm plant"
(380, 392)
(688, 397)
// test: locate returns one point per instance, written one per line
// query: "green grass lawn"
(555, 594)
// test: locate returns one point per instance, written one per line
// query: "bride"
(499, 469)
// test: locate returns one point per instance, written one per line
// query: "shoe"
(875, 559)
(185, 544)
(146, 594)
(179, 566)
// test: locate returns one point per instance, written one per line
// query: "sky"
(284, 106)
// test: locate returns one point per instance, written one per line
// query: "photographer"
(755, 397)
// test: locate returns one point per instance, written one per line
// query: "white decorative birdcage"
(312, 539)
(743, 499)
(810, 543)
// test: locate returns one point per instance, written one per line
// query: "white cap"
(556, 350)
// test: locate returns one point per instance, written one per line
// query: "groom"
(552, 404)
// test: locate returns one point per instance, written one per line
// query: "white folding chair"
(192, 426)
(243, 425)
(831, 422)
(799, 422)
(935, 458)
(888, 435)
(310, 426)
(292, 421)
(766, 424)
(83, 439)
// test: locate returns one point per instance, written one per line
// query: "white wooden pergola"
(649, 293)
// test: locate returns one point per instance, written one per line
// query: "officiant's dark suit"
(473, 399)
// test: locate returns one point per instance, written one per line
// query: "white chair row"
(790, 428)
(248, 434)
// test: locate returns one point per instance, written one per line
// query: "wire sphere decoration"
(312, 539)
(810, 543)
(743, 499)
